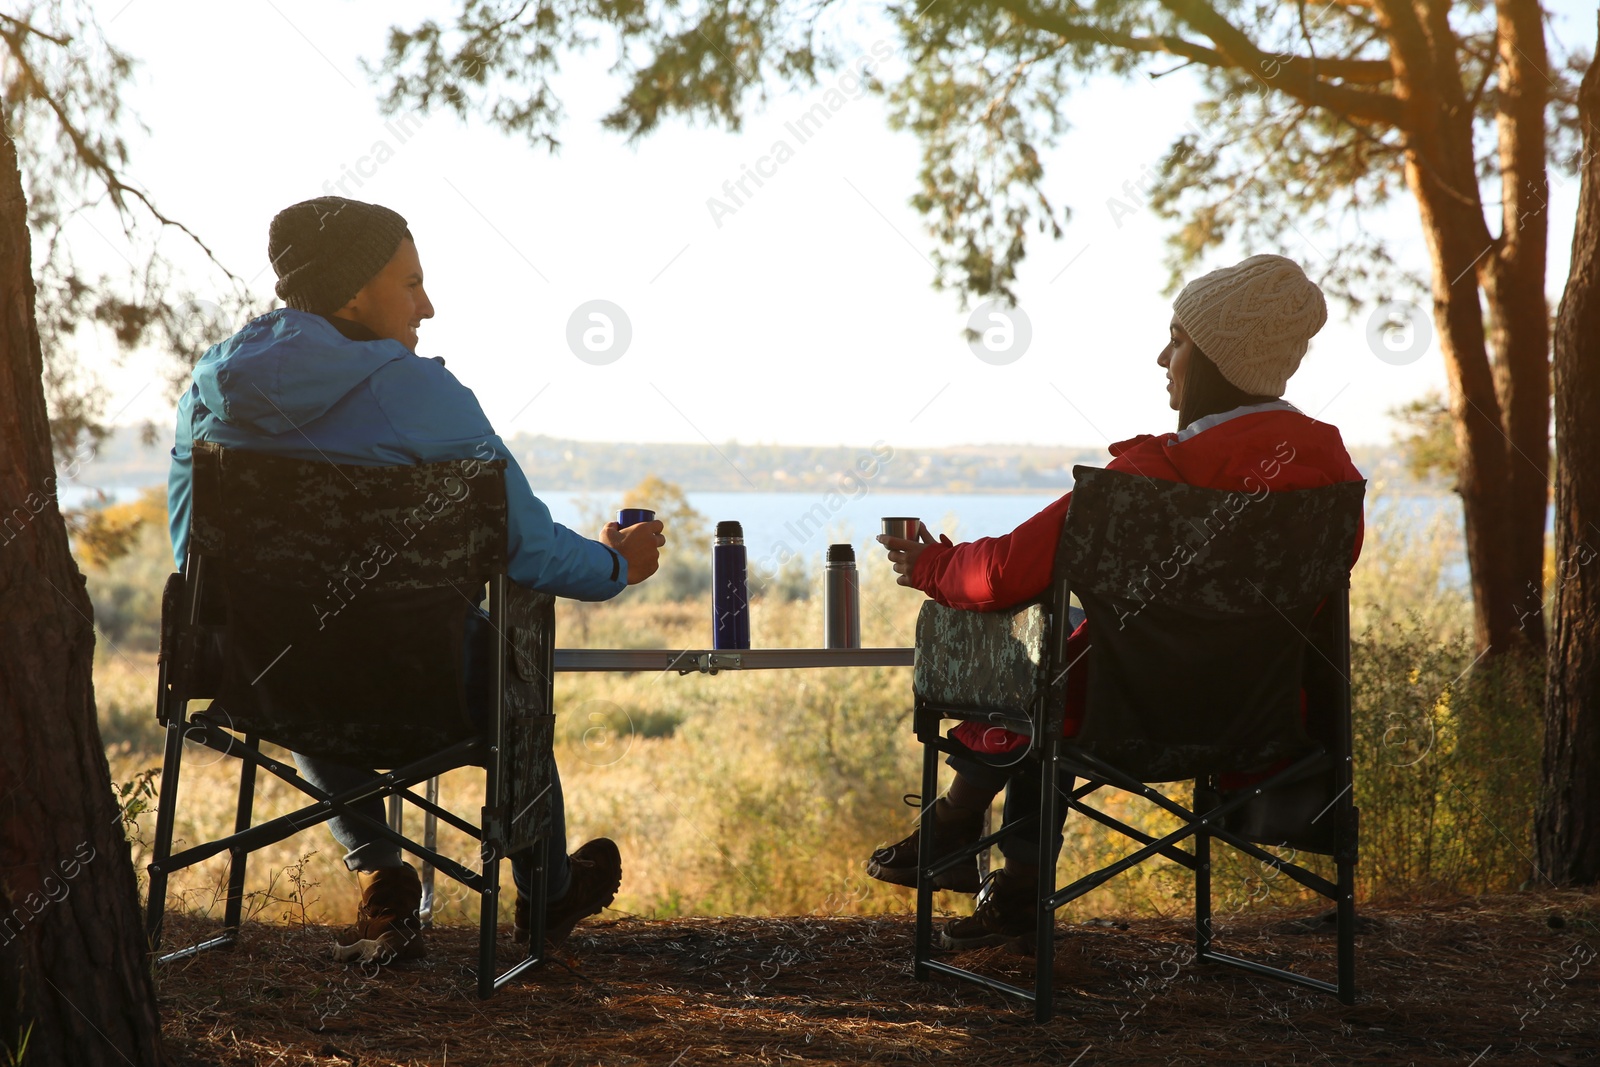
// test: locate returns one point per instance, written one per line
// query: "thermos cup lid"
(841, 554)
(729, 528)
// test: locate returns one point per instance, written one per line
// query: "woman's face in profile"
(1175, 360)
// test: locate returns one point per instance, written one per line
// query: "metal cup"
(633, 516)
(902, 527)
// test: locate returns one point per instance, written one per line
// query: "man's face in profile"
(394, 303)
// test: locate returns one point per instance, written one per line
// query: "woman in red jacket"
(1236, 336)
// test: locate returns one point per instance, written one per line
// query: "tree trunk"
(74, 980)
(1441, 173)
(1513, 278)
(1568, 824)
(1500, 601)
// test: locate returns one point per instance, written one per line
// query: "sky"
(804, 315)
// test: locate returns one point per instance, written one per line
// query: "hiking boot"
(387, 927)
(953, 830)
(596, 877)
(1008, 908)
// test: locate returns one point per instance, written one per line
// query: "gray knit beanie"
(324, 250)
(1253, 320)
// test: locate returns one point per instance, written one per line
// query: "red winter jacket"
(1268, 444)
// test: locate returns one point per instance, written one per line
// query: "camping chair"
(1209, 612)
(323, 607)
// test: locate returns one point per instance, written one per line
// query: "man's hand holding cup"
(639, 542)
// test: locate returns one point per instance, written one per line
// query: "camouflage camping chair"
(323, 608)
(1209, 614)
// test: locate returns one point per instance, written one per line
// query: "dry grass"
(763, 792)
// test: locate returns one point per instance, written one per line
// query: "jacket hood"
(286, 368)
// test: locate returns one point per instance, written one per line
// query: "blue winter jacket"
(295, 384)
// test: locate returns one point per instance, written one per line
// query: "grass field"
(764, 792)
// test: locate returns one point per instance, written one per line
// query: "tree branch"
(1292, 78)
(36, 31)
(1362, 71)
(96, 163)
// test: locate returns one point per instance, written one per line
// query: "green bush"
(1447, 757)
(126, 590)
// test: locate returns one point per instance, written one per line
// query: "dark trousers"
(1020, 777)
(366, 851)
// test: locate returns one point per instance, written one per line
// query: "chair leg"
(1346, 906)
(1045, 946)
(540, 897)
(488, 917)
(238, 857)
(1202, 895)
(923, 947)
(166, 812)
(430, 839)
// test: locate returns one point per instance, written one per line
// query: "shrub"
(125, 579)
(1447, 753)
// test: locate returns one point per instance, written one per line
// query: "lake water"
(778, 525)
(804, 524)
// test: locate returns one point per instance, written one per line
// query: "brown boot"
(952, 829)
(1007, 909)
(596, 877)
(387, 928)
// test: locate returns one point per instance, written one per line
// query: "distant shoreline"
(124, 464)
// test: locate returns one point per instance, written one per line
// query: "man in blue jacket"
(335, 376)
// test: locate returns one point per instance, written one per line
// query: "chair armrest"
(528, 730)
(981, 661)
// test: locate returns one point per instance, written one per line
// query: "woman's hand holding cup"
(905, 539)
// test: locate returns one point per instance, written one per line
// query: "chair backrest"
(1199, 603)
(344, 592)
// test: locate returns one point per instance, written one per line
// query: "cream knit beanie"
(1253, 320)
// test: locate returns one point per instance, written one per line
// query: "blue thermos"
(730, 597)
